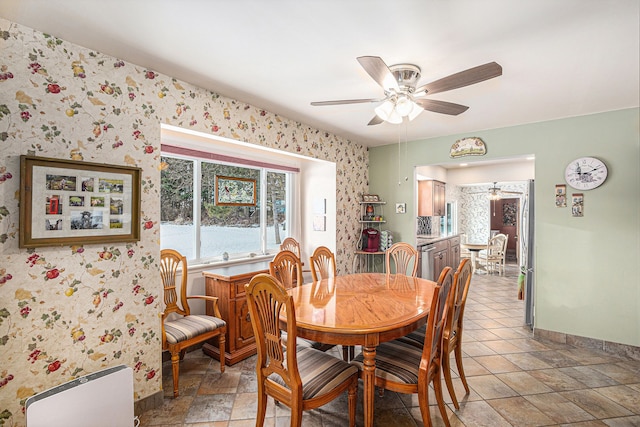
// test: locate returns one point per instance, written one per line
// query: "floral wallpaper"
(70, 311)
(473, 208)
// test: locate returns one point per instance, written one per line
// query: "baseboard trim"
(617, 349)
(153, 401)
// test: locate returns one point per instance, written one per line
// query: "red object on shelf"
(370, 240)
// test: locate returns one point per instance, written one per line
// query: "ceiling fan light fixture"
(494, 195)
(404, 105)
(415, 112)
(387, 112)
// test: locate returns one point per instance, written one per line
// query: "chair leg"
(458, 353)
(353, 402)
(262, 406)
(437, 387)
(175, 369)
(423, 400)
(221, 343)
(446, 371)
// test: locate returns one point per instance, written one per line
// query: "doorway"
(505, 219)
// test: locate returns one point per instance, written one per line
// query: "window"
(193, 224)
(448, 222)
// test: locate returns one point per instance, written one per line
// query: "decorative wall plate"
(473, 146)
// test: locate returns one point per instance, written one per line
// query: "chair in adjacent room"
(404, 258)
(452, 337)
(301, 378)
(408, 365)
(180, 328)
(494, 258)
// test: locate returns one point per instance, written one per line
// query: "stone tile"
(523, 383)
(555, 358)
(490, 387)
(508, 333)
(480, 335)
(623, 395)
(618, 372)
(490, 323)
(214, 407)
(496, 364)
(560, 409)
(520, 412)
(473, 368)
(481, 414)
(474, 349)
(596, 404)
(557, 380)
(526, 361)
(216, 382)
(633, 421)
(588, 376)
(529, 344)
(502, 347)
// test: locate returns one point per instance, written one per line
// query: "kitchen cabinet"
(445, 253)
(431, 198)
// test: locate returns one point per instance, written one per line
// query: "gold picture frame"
(233, 191)
(66, 202)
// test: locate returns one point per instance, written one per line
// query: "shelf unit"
(371, 216)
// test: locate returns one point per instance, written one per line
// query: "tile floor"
(514, 380)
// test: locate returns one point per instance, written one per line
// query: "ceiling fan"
(401, 96)
(495, 193)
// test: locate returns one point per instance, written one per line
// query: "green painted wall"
(588, 281)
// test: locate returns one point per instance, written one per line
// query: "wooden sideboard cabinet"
(227, 283)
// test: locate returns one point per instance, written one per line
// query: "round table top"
(362, 303)
(474, 246)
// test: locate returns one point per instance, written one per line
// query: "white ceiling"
(559, 58)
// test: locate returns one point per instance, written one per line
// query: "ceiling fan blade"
(378, 70)
(442, 107)
(346, 101)
(463, 78)
(375, 121)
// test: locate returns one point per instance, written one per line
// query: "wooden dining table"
(363, 309)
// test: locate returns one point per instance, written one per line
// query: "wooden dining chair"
(287, 268)
(323, 264)
(404, 258)
(291, 244)
(407, 365)
(452, 337)
(301, 378)
(494, 257)
(180, 328)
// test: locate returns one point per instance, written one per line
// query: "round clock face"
(585, 173)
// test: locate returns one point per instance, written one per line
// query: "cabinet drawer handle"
(248, 318)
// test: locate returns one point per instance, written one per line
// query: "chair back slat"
(323, 264)
(170, 262)
(287, 268)
(404, 257)
(267, 300)
(291, 244)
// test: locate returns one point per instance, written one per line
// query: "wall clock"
(585, 173)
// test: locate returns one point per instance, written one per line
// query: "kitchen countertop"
(425, 239)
